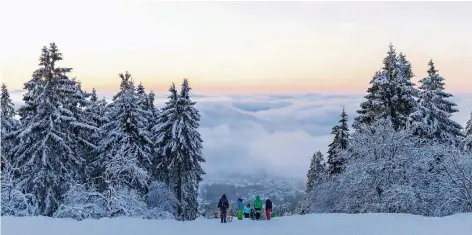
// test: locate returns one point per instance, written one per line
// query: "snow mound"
(322, 224)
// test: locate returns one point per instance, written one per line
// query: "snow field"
(315, 224)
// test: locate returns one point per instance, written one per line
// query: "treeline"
(404, 155)
(74, 155)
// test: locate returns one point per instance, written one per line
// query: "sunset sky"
(237, 47)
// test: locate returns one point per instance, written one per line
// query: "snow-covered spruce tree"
(86, 131)
(125, 147)
(179, 145)
(8, 125)
(154, 111)
(46, 162)
(391, 94)
(14, 201)
(316, 174)
(146, 101)
(163, 138)
(467, 142)
(33, 88)
(432, 118)
(95, 112)
(339, 144)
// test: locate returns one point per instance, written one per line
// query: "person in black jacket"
(223, 205)
(268, 208)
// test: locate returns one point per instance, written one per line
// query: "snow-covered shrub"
(157, 213)
(377, 170)
(458, 168)
(326, 196)
(14, 201)
(161, 200)
(123, 201)
(82, 203)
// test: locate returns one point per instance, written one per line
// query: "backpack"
(223, 203)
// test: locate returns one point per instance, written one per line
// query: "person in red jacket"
(268, 208)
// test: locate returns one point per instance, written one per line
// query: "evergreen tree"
(86, 131)
(163, 136)
(96, 109)
(125, 147)
(405, 91)
(340, 143)
(316, 172)
(468, 134)
(180, 149)
(45, 157)
(146, 104)
(153, 109)
(391, 94)
(8, 125)
(34, 87)
(433, 117)
(316, 175)
(96, 113)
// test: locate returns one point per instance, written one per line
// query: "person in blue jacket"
(247, 211)
(240, 208)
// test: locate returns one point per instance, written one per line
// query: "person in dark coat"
(223, 205)
(268, 208)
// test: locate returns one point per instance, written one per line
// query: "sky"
(271, 77)
(237, 47)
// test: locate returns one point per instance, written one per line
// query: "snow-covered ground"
(317, 224)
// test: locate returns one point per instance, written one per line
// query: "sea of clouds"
(273, 134)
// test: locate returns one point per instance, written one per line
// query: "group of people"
(245, 210)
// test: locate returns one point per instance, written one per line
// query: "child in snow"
(240, 208)
(247, 211)
(253, 214)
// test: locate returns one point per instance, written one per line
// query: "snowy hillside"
(320, 224)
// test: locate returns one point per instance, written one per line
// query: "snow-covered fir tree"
(45, 157)
(468, 134)
(96, 109)
(8, 125)
(96, 113)
(146, 101)
(339, 144)
(432, 118)
(33, 88)
(162, 136)
(391, 94)
(125, 147)
(85, 130)
(154, 111)
(179, 145)
(315, 175)
(316, 172)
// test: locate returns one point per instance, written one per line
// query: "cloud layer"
(273, 134)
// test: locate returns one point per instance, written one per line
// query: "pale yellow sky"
(237, 46)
